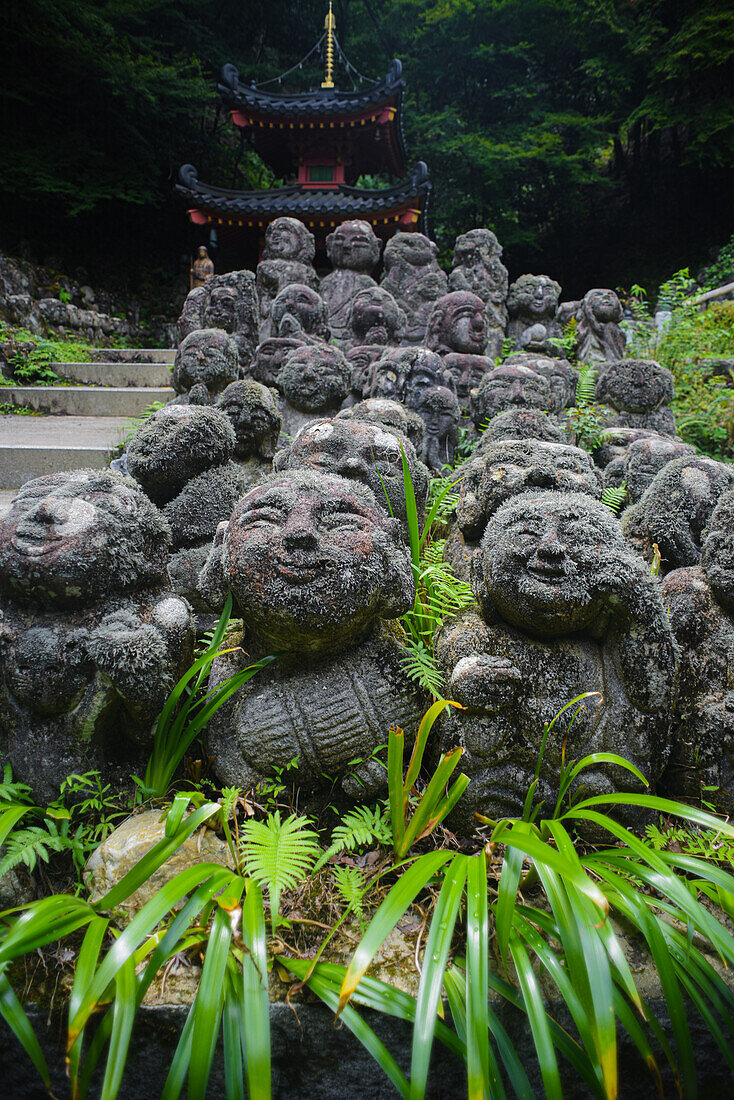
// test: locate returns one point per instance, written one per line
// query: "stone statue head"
(439, 410)
(375, 317)
(645, 459)
(542, 562)
(315, 378)
(354, 246)
(312, 561)
(422, 370)
(511, 386)
(289, 239)
(534, 297)
(73, 538)
(412, 249)
(603, 305)
(359, 451)
(616, 440)
(477, 266)
(458, 323)
(221, 309)
(508, 468)
(559, 372)
(467, 372)
(270, 356)
(717, 557)
(207, 356)
(299, 310)
(520, 424)
(175, 444)
(392, 415)
(252, 410)
(202, 252)
(635, 385)
(362, 359)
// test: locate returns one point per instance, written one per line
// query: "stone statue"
(510, 387)
(467, 372)
(312, 563)
(270, 356)
(360, 451)
(287, 258)
(559, 372)
(227, 302)
(566, 608)
(700, 601)
(439, 409)
(392, 415)
(314, 381)
(674, 510)
(201, 268)
(252, 410)
(207, 357)
(614, 442)
(639, 392)
(299, 312)
(643, 460)
(477, 267)
(425, 371)
(354, 251)
(362, 359)
(414, 279)
(533, 300)
(91, 643)
(599, 339)
(374, 317)
(519, 423)
(457, 323)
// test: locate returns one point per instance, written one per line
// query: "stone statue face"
(315, 378)
(313, 554)
(270, 356)
(414, 249)
(646, 458)
(477, 256)
(298, 309)
(388, 382)
(354, 246)
(176, 444)
(439, 411)
(534, 296)
(635, 385)
(717, 557)
(605, 305)
(207, 356)
(288, 239)
(561, 377)
(221, 311)
(76, 536)
(375, 316)
(505, 387)
(458, 323)
(253, 413)
(425, 371)
(362, 360)
(467, 372)
(542, 560)
(521, 424)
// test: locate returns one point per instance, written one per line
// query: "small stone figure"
(360, 451)
(639, 392)
(174, 445)
(312, 563)
(510, 387)
(561, 375)
(457, 323)
(566, 608)
(477, 267)
(700, 600)
(270, 356)
(362, 359)
(414, 279)
(354, 250)
(227, 302)
(642, 462)
(374, 317)
(520, 423)
(439, 409)
(314, 381)
(299, 312)
(467, 372)
(533, 300)
(425, 372)
(392, 415)
(614, 442)
(201, 268)
(674, 510)
(91, 643)
(207, 357)
(287, 258)
(599, 339)
(252, 410)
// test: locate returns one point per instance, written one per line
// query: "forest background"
(596, 137)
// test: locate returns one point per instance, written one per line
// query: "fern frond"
(352, 885)
(586, 386)
(278, 854)
(419, 664)
(30, 845)
(444, 502)
(359, 827)
(229, 801)
(614, 498)
(10, 790)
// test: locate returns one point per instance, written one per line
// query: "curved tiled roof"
(317, 102)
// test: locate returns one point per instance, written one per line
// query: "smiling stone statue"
(354, 250)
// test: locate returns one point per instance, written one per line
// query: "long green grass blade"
(180, 1062)
(634, 1029)
(86, 965)
(395, 751)
(435, 959)
(44, 922)
(233, 1020)
(504, 907)
(255, 989)
(539, 1026)
(541, 852)
(434, 509)
(421, 739)
(411, 513)
(653, 802)
(123, 1018)
(426, 812)
(483, 1076)
(15, 1017)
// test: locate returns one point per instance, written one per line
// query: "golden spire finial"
(330, 26)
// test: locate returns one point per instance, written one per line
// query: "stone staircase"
(80, 424)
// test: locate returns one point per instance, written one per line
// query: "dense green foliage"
(588, 134)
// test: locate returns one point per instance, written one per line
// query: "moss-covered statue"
(639, 392)
(227, 302)
(314, 381)
(206, 360)
(91, 641)
(532, 302)
(642, 462)
(287, 258)
(354, 250)
(566, 608)
(314, 565)
(414, 279)
(509, 387)
(477, 266)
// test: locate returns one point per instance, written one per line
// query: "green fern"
(11, 790)
(352, 885)
(445, 503)
(278, 854)
(32, 844)
(361, 826)
(586, 386)
(419, 664)
(614, 497)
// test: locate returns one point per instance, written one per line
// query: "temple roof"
(402, 206)
(362, 125)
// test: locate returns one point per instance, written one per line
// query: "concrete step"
(115, 374)
(86, 401)
(137, 355)
(6, 495)
(31, 446)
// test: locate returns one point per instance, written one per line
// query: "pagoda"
(323, 140)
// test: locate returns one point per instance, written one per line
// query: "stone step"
(115, 374)
(6, 495)
(137, 355)
(31, 446)
(86, 401)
